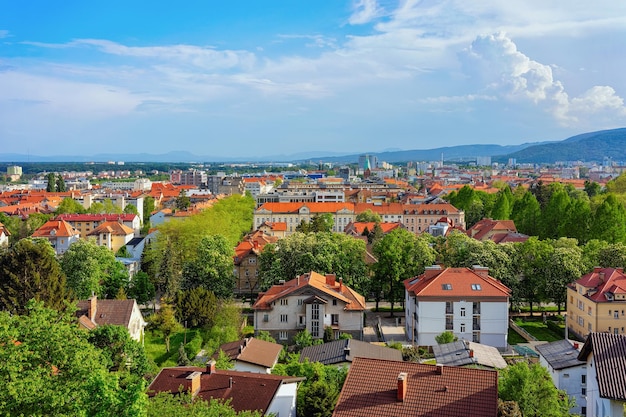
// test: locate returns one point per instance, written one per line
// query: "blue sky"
(257, 78)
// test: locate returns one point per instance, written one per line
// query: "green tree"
(531, 263)
(212, 268)
(565, 265)
(401, 255)
(148, 209)
(612, 256)
(617, 185)
(527, 214)
(183, 201)
(303, 339)
(609, 221)
(141, 288)
(52, 183)
(120, 351)
(368, 216)
(576, 220)
(197, 307)
(445, 337)
(130, 209)
(166, 322)
(503, 205)
(592, 188)
(60, 184)
(183, 360)
(531, 387)
(164, 404)
(265, 335)
(223, 361)
(123, 252)
(69, 206)
(322, 223)
(28, 270)
(591, 254)
(554, 214)
(48, 368)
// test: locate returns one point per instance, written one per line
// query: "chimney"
(330, 279)
(194, 377)
(439, 370)
(482, 271)
(471, 353)
(340, 284)
(402, 386)
(210, 367)
(601, 276)
(93, 306)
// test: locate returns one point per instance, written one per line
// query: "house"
(246, 261)
(274, 229)
(383, 388)
(112, 234)
(597, 302)
(4, 236)
(358, 228)
(59, 233)
(466, 353)
(605, 356)
(568, 372)
(252, 354)
(92, 313)
(344, 351)
(466, 301)
(310, 301)
(499, 231)
(246, 391)
(86, 223)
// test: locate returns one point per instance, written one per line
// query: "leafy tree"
(14, 224)
(554, 213)
(71, 206)
(223, 361)
(141, 288)
(368, 216)
(52, 183)
(120, 351)
(183, 201)
(29, 270)
(303, 339)
(617, 185)
(212, 267)
(164, 404)
(532, 262)
(265, 335)
(591, 253)
(592, 188)
(503, 204)
(319, 400)
(183, 360)
(322, 223)
(49, 368)
(60, 184)
(197, 307)
(130, 209)
(565, 266)
(609, 221)
(226, 325)
(446, 337)
(148, 208)
(123, 253)
(527, 214)
(531, 387)
(401, 255)
(576, 220)
(165, 321)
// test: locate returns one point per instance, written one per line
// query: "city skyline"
(268, 78)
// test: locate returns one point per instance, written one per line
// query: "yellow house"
(112, 234)
(597, 302)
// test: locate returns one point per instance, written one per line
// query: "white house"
(4, 235)
(568, 372)
(605, 356)
(465, 301)
(312, 302)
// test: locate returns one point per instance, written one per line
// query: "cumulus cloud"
(510, 74)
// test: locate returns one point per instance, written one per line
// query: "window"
(449, 323)
(583, 391)
(476, 287)
(284, 301)
(581, 321)
(446, 287)
(299, 301)
(282, 335)
(616, 330)
(283, 318)
(589, 326)
(449, 307)
(589, 310)
(301, 320)
(334, 302)
(462, 327)
(616, 314)
(266, 317)
(565, 375)
(335, 319)
(476, 308)
(583, 379)
(462, 311)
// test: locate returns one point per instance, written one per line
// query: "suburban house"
(252, 354)
(4, 236)
(246, 391)
(92, 313)
(499, 231)
(383, 388)
(112, 234)
(310, 301)
(568, 372)
(344, 351)
(605, 356)
(466, 353)
(597, 302)
(59, 233)
(274, 229)
(466, 301)
(86, 223)
(246, 261)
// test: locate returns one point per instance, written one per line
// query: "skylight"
(446, 286)
(476, 287)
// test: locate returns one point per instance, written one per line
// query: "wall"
(284, 402)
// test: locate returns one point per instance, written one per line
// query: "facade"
(191, 177)
(568, 372)
(4, 236)
(383, 388)
(112, 234)
(92, 313)
(465, 301)
(247, 391)
(499, 231)
(597, 302)
(86, 223)
(312, 302)
(59, 233)
(246, 263)
(605, 358)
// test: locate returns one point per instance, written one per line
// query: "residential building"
(247, 391)
(274, 229)
(246, 263)
(568, 372)
(499, 231)
(190, 177)
(59, 233)
(252, 354)
(112, 234)
(92, 313)
(605, 356)
(310, 301)
(466, 353)
(343, 351)
(383, 388)
(466, 301)
(294, 213)
(597, 302)
(4, 236)
(86, 223)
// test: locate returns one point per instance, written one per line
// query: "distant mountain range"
(587, 147)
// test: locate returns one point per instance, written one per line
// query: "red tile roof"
(456, 282)
(326, 284)
(371, 390)
(96, 217)
(359, 227)
(112, 227)
(603, 281)
(56, 228)
(485, 226)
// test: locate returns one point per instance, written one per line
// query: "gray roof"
(460, 353)
(609, 353)
(560, 354)
(337, 352)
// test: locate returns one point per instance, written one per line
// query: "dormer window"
(446, 287)
(476, 287)
(609, 296)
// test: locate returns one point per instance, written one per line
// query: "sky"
(258, 78)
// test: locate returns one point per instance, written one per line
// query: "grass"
(515, 338)
(154, 344)
(538, 330)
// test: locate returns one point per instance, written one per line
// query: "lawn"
(515, 338)
(538, 330)
(154, 344)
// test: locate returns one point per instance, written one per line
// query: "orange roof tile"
(456, 282)
(56, 228)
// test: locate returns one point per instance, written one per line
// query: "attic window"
(446, 287)
(476, 287)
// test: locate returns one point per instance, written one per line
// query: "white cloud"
(364, 12)
(4, 33)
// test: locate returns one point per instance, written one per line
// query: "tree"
(554, 213)
(609, 221)
(49, 368)
(446, 337)
(532, 264)
(148, 208)
(123, 252)
(565, 266)
(503, 204)
(183, 360)
(141, 288)
(527, 214)
(29, 270)
(164, 404)
(165, 321)
(183, 201)
(69, 205)
(60, 184)
(401, 255)
(223, 361)
(368, 216)
(592, 188)
(322, 223)
(265, 335)
(303, 339)
(52, 183)
(130, 209)
(531, 387)
(120, 351)
(212, 267)
(197, 307)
